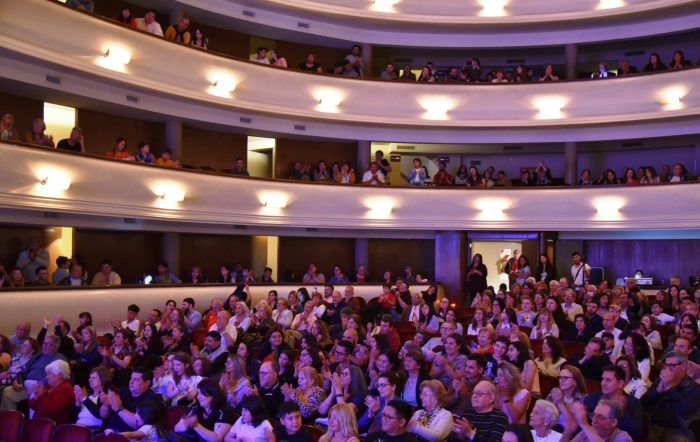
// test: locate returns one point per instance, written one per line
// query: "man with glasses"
(341, 353)
(482, 422)
(446, 329)
(269, 387)
(672, 401)
(612, 388)
(604, 424)
(395, 417)
(32, 374)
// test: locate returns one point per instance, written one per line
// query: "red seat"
(547, 383)
(172, 416)
(462, 312)
(10, 425)
(316, 432)
(38, 430)
(72, 433)
(404, 326)
(592, 386)
(114, 437)
(197, 337)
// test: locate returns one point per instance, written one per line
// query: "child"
(290, 428)
(147, 420)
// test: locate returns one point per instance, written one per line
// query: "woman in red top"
(55, 399)
(119, 151)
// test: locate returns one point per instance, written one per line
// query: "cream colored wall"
(490, 250)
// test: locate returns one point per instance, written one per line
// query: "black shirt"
(65, 145)
(303, 435)
(380, 436)
(272, 397)
(129, 402)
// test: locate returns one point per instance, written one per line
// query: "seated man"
(260, 55)
(602, 72)
(42, 277)
(605, 421)
(62, 270)
(446, 329)
(482, 422)
(268, 387)
(75, 278)
(106, 276)
(192, 317)
(290, 428)
(74, 143)
(625, 68)
(152, 26)
(213, 350)
(164, 276)
(389, 72)
(180, 33)
(131, 322)
(23, 331)
(672, 401)
(119, 410)
(227, 331)
(609, 325)
(350, 300)
(612, 388)
(239, 168)
(31, 259)
(395, 417)
(459, 393)
(373, 176)
(592, 360)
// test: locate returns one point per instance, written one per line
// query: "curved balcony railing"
(47, 180)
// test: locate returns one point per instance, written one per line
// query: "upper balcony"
(452, 23)
(67, 54)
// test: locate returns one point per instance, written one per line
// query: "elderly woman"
(543, 417)
(88, 402)
(431, 423)
(308, 395)
(55, 400)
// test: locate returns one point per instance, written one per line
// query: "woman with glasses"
(572, 389)
(634, 385)
(308, 395)
(370, 421)
(347, 388)
(432, 423)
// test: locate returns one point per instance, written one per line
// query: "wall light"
(492, 209)
(273, 200)
(436, 108)
(608, 208)
(493, 8)
(56, 182)
(379, 208)
(221, 84)
(671, 98)
(173, 196)
(383, 5)
(610, 4)
(168, 194)
(328, 100)
(115, 57)
(550, 107)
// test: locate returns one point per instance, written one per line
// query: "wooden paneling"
(101, 130)
(659, 259)
(211, 251)
(296, 53)
(132, 253)
(213, 149)
(395, 254)
(297, 253)
(14, 239)
(310, 152)
(25, 111)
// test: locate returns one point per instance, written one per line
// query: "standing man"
(31, 259)
(580, 271)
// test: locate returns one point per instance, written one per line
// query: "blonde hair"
(310, 373)
(347, 420)
(550, 322)
(238, 373)
(512, 377)
(437, 388)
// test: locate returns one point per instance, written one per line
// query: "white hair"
(59, 368)
(550, 411)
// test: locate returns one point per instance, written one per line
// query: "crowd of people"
(353, 65)
(403, 366)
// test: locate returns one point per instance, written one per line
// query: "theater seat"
(547, 383)
(316, 432)
(171, 417)
(10, 425)
(114, 437)
(38, 430)
(72, 433)
(197, 337)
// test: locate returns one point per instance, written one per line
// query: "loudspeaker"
(597, 275)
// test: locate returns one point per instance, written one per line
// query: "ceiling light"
(550, 107)
(671, 98)
(493, 8)
(436, 108)
(383, 5)
(115, 58)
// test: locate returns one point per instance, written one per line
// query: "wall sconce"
(436, 108)
(274, 200)
(550, 107)
(222, 85)
(56, 182)
(492, 209)
(115, 58)
(672, 98)
(328, 100)
(172, 196)
(379, 208)
(610, 4)
(383, 5)
(493, 8)
(609, 208)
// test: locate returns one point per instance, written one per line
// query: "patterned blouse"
(309, 404)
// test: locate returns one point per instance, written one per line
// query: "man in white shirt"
(580, 271)
(446, 329)
(282, 315)
(152, 26)
(569, 306)
(373, 176)
(131, 322)
(228, 332)
(659, 316)
(260, 56)
(609, 326)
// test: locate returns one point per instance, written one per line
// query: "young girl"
(147, 420)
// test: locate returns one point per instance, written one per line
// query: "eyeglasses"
(386, 416)
(382, 385)
(601, 417)
(670, 365)
(563, 378)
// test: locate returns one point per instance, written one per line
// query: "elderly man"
(75, 278)
(282, 315)
(269, 387)
(412, 312)
(31, 259)
(215, 306)
(609, 326)
(332, 313)
(672, 401)
(22, 333)
(612, 388)
(227, 331)
(213, 350)
(33, 373)
(350, 299)
(373, 176)
(446, 329)
(180, 33)
(604, 424)
(482, 422)
(592, 360)
(570, 307)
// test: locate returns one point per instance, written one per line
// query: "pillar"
(570, 163)
(364, 156)
(367, 59)
(173, 137)
(450, 262)
(265, 253)
(571, 60)
(171, 252)
(361, 255)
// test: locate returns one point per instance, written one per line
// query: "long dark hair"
(256, 406)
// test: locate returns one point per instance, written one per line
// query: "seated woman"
(149, 345)
(89, 403)
(513, 399)
(450, 362)
(241, 317)
(654, 64)
(118, 357)
(432, 423)
(543, 417)
(347, 388)
(178, 341)
(508, 322)
(253, 425)
(37, 136)
(415, 374)
(342, 425)
(572, 389)
(87, 354)
(163, 375)
(519, 355)
(308, 395)
(427, 321)
(285, 362)
(371, 419)
(119, 151)
(549, 363)
(652, 334)
(234, 381)
(478, 322)
(209, 419)
(182, 390)
(579, 332)
(55, 399)
(385, 361)
(549, 74)
(545, 326)
(638, 347)
(19, 360)
(634, 385)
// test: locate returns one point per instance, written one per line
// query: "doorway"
(497, 248)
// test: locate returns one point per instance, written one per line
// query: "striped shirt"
(489, 426)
